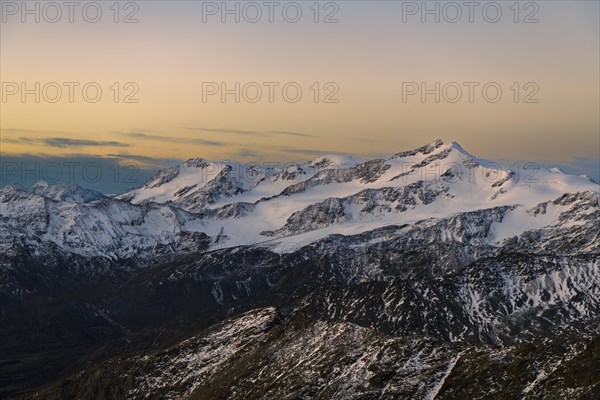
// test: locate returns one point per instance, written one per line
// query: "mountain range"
(428, 274)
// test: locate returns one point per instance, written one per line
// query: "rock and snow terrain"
(235, 204)
(255, 356)
(338, 278)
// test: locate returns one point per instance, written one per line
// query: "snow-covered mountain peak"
(68, 192)
(13, 187)
(198, 185)
(196, 163)
(161, 177)
(40, 185)
(334, 161)
(588, 178)
(13, 192)
(456, 146)
(427, 149)
(439, 152)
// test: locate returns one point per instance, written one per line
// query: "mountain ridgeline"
(428, 274)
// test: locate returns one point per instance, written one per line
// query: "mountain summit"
(237, 204)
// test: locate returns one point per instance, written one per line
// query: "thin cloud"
(34, 132)
(64, 142)
(132, 156)
(312, 151)
(288, 133)
(46, 157)
(145, 159)
(146, 136)
(249, 133)
(247, 153)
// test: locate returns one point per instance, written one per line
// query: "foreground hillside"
(256, 355)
